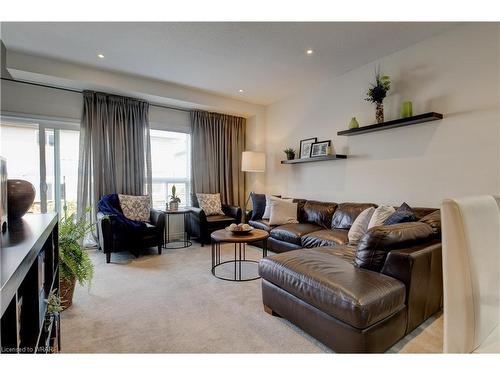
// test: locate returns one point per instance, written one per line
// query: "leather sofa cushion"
(434, 220)
(420, 212)
(261, 224)
(346, 213)
(293, 232)
(325, 237)
(378, 241)
(219, 221)
(217, 218)
(278, 246)
(319, 213)
(355, 296)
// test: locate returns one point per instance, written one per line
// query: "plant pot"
(67, 289)
(379, 112)
(290, 156)
(174, 206)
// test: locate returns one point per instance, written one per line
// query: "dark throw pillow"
(258, 205)
(404, 214)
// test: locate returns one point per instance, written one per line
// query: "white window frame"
(45, 123)
(175, 180)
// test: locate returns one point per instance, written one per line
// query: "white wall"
(455, 73)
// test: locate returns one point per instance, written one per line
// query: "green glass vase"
(353, 124)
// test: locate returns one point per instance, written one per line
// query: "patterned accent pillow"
(135, 207)
(210, 203)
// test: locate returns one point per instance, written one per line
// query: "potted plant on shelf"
(290, 153)
(377, 93)
(174, 199)
(74, 261)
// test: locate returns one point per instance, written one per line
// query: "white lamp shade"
(253, 161)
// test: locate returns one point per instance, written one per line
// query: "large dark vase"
(20, 197)
(379, 113)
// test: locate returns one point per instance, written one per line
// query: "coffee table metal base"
(239, 260)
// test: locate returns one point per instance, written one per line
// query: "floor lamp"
(252, 161)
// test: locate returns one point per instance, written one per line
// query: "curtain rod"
(81, 91)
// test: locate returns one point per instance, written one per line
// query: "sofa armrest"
(157, 218)
(420, 269)
(233, 211)
(198, 225)
(105, 232)
(198, 213)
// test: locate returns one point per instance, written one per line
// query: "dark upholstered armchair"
(201, 225)
(111, 239)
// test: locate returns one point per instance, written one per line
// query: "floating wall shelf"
(315, 158)
(419, 119)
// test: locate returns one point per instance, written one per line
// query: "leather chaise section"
(325, 237)
(355, 296)
(292, 233)
(341, 337)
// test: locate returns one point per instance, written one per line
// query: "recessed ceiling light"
(309, 51)
(101, 56)
(240, 90)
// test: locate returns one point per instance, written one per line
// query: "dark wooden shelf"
(418, 119)
(315, 158)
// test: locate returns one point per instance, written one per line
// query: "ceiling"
(265, 60)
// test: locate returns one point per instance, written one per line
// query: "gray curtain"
(115, 149)
(217, 142)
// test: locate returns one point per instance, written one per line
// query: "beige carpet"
(172, 304)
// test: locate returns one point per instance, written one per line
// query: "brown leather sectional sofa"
(360, 298)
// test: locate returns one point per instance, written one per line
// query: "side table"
(186, 240)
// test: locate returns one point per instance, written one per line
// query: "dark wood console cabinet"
(29, 266)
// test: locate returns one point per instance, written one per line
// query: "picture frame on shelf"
(306, 147)
(320, 148)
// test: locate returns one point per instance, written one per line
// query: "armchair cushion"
(109, 205)
(210, 203)
(135, 207)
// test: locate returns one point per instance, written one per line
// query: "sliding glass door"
(46, 156)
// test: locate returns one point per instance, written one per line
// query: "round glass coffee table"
(240, 261)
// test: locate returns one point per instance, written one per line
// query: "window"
(170, 158)
(48, 158)
(19, 145)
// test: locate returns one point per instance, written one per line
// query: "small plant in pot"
(290, 153)
(377, 93)
(54, 307)
(75, 263)
(174, 199)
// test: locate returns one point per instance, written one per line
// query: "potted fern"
(174, 199)
(74, 262)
